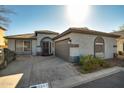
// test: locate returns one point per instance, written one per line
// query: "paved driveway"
(38, 69)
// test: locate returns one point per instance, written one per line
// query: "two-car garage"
(62, 49)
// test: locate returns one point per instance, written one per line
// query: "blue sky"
(50, 17)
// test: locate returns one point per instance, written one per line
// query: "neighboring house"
(120, 41)
(38, 43)
(2, 40)
(68, 45)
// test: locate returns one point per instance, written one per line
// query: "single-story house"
(2, 40)
(38, 43)
(68, 45)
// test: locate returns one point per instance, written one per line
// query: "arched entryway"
(99, 47)
(46, 46)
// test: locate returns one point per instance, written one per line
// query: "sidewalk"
(84, 78)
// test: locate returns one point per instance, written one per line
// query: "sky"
(54, 17)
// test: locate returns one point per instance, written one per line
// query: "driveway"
(38, 69)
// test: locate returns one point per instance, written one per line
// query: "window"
(27, 45)
(99, 48)
(99, 45)
(19, 45)
(23, 45)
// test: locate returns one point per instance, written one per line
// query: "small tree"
(121, 28)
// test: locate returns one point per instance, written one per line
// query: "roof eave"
(47, 33)
(19, 38)
(84, 32)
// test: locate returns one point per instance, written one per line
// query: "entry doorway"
(45, 48)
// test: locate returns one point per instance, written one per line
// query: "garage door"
(62, 49)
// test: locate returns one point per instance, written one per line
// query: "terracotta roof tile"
(46, 32)
(22, 36)
(85, 31)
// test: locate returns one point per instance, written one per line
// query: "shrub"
(90, 63)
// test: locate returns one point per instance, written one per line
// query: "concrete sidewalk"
(84, 78)
(10, 81)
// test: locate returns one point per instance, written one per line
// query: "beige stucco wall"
(120, 43)
(11, 44)
(2, 32)
(109, 49)
(86, 44)
(34, 44)
(39, 38)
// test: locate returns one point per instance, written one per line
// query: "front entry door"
(45, 51)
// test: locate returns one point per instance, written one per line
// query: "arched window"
(99, 47)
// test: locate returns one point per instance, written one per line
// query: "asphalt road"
(112, 81)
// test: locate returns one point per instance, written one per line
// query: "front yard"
(33, 70)
(89, 64)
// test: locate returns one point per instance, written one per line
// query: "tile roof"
(85, 31)
(121, 33)
(22, 36)
(118, 33)
(30, 35)
(46, 32)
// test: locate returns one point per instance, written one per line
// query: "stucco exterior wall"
(2, 43)
(34, 47)
(120, 43)
(86, 45)
(64, 37)
(11, 44)
(39, 38)
(109, 47)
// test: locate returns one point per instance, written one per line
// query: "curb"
(85, 78)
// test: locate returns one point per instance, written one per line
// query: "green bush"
(90, 63)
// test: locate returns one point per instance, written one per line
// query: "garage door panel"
(62, 49)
